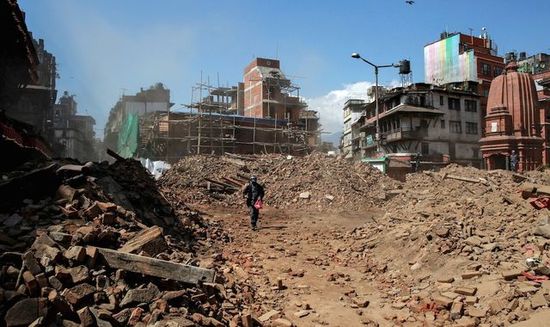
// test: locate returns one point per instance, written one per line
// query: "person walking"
(253, 192)
(513, 160)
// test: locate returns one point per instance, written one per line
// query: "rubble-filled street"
(274, 164)
(458, 247)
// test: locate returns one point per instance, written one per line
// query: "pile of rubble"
(465, 245)
(313, 181)
(105, 248)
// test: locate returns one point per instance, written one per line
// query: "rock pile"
(105, 248)
(313, 181)
(462, 245)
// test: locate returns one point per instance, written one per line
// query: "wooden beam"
(142, 238)
(466, 179)
(114, 155)
(230, 181)
(535, 188)
(221, 184)
(157, 268)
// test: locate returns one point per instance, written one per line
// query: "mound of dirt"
(313, 181)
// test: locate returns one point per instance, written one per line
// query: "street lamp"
(358, 56)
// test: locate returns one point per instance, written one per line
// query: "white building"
(353, 109)
(439, 123)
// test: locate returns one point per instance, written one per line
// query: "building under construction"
(263, 114)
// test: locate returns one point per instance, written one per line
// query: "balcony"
(405, 134)
(368, 142)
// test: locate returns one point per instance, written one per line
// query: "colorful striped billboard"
(443, 64)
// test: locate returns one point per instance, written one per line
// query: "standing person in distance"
(253, 192)
(513, 161)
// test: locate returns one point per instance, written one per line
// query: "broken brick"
(136, 296)
(24, 312)
(79, 293)
(75, 253)
(466, 290)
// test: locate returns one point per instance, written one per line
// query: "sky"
(107, 48)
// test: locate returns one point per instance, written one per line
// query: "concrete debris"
(213, 180)
(104, 247)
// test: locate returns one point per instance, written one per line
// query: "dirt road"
(320, 286)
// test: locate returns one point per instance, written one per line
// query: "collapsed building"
(262, 114)
(31, 123)
(26, 89)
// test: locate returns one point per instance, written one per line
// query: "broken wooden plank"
(464, 179)
(232, 182)
(535, 188)
(156, 267)
(221, 183)
(141, 239)
(237, 181)
(114, 155)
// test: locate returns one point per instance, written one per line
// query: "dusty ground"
(302, 249)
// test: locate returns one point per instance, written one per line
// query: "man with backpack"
(254, 194)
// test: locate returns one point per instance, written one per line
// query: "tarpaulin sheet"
(128, 137)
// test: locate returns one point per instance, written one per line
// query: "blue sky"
(107, 47)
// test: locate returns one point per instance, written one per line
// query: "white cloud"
(330, 105)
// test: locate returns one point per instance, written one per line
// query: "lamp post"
(358, 56)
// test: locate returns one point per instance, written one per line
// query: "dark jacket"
(253, 191)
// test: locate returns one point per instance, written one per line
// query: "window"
(425, 148)
(455, 126)
(471, 105)
(498, 71)
(485, 69)
(485, 92)
(471, 128)
(441, 101)
(443, 123)
(454, 104)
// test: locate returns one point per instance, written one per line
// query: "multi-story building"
(154, 99)
(262, 114)
(268, 93)
(353, 108)
(74, 134)
(34, 101)
(458, 57)
(538, 66)
(24, 111)
(441, 124)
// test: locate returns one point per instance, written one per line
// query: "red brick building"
(268, 93)
(542, 79)
(489, 64)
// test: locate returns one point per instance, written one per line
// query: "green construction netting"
(128, 136)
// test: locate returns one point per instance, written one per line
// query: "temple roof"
(516, 92)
